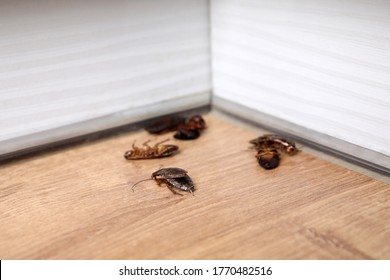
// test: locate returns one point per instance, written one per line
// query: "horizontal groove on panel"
(349, 151)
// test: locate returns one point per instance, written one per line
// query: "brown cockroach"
(150, 152)
(186, 129)
(269, 147)
(173, 178)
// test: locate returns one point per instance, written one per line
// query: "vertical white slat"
(323, 66)
(63, 63)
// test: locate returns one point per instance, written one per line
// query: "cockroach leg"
(166, 140)
(146, 143)
(172, 190)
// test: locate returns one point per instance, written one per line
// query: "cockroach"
(269, 147)
(166, 125)
(276, 142)
(186, 128)
(173, 178)
(150, 152)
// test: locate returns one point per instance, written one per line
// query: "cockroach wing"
(183, 183)
(170, 172)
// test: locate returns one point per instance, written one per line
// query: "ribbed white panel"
(322, 65)
(66, 62)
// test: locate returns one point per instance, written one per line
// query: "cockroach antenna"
(132, 188)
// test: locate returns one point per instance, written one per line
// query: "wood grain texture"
(321, 65)
(67, 62)
(76, 203)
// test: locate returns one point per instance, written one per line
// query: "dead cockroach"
(276, 142)
(166, 125)
(149, 152)
(269, 147)
(173, 178)
(186, 129)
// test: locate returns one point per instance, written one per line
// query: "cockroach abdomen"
(269, 160)
(183, 183)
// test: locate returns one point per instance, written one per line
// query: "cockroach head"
(198, 121)
(291, 150)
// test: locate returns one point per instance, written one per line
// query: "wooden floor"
(77, 203)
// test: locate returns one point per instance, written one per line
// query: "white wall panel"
(320, 68)
(323, 66)
(100, 63)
